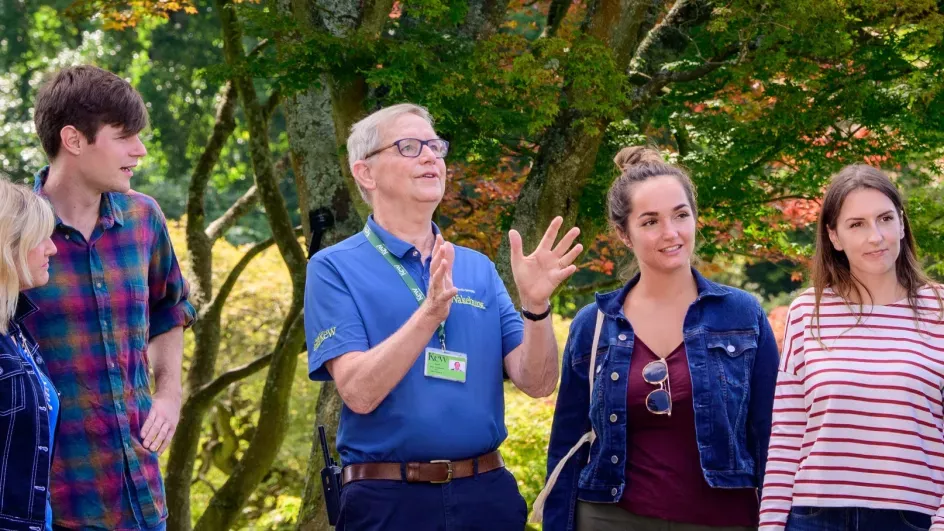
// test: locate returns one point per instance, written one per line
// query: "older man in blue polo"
(416, 332)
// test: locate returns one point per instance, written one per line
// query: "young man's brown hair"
(87, 98)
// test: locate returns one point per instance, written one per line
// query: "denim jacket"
(732, 357)
(25, 445)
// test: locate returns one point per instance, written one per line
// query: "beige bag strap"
(537, 512)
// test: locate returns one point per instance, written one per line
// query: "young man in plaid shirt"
(114, 309)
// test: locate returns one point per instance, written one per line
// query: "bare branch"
(209, 391)
(555, 16)
(202, 479)
(216, 305)
(271, 104)
(644, 94)
(225, 123)
(222, 129)
(205, 395)
(671, 23)
(201, 259)
(240, 208)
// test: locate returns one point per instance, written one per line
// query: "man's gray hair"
(366, 134)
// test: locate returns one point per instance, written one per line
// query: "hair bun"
(630, 156)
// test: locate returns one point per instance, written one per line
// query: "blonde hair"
(365, 134)
(25, 221)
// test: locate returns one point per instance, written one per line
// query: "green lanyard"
(404, 275)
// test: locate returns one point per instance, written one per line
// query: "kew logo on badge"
(325, 334)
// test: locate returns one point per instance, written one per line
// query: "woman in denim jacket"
(29, 403)
(683, 383)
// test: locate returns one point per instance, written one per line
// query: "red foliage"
(778, 322)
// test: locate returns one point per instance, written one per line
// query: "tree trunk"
(321, 184)
(273, 415)
(183, 449)
(312, 515)
(568, 152)
(319, 122)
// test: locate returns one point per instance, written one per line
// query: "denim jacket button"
(614, 491)
(614, 376)
(614, 459)
(599, 367)
(622, 337)
(612, 417)
(730, 348)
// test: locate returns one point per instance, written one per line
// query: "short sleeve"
(333, 324)
(512, 327)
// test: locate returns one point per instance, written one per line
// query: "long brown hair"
(831, 266)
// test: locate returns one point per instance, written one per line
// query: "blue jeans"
(855, 519)
(486, 502)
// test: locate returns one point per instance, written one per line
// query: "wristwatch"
(536, 316)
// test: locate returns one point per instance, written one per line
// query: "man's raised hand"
(538, 274)
(441, 290)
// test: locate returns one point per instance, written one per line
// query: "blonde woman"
(29, 403)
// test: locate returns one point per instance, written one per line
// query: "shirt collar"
(611, 303)
(24, 308)
(110, 212)
(395, 245)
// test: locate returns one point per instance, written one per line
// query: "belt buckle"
(449, 470)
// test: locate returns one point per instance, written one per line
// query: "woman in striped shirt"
(856, 442)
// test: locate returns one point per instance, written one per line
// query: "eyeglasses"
(659, 400)
(412, 147)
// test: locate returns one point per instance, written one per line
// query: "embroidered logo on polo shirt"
(325, 334)
(469, 301)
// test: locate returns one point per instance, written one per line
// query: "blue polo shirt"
(354, 300)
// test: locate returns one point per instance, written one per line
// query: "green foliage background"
(805, 77)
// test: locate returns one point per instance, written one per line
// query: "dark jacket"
(25, 445)
(732, 357)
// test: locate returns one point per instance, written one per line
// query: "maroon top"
(663, 470)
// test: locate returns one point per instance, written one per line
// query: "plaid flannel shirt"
(106, 298)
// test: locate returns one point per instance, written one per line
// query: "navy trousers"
(486, 502)
(855, 519)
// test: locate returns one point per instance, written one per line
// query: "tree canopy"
(250, 102)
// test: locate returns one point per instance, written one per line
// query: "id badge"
(445, 365)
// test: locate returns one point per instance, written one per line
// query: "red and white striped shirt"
(858, 414)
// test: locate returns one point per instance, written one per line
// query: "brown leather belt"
(439, 471)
